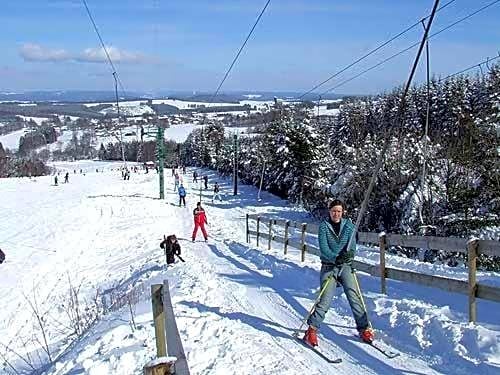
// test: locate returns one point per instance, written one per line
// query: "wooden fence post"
(248, 234)
(471, 260)
(269, 241)
(258, 225)
(159, 319)
(303, 242)
(382, 244)
(163, 366)
(287, 225)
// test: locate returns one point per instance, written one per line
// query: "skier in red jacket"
(200, 219)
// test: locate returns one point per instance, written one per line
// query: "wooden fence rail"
(165, 326)
(472, 248)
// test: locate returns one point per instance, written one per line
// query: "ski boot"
(310, 337)
(367, 335)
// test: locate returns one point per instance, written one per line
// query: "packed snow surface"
(236, 304)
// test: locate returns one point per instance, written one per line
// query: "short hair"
(336, 202)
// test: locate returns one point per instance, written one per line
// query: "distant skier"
(205, 180)
(66, 178)
(2, 256)
(171, 248)
(182, 195)
(195, 176)
(336, 268)
(55, 180)
(176, 182)
(216, 192)
(200, 219)
(183, 169)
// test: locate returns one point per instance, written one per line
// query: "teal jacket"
(330, 245)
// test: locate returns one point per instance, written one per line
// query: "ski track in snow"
(236, 306)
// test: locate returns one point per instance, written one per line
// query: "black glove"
(345, 257)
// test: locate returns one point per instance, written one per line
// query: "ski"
(318, 352)
(382, 349)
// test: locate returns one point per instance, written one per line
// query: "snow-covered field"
(11, 140)
(236, 305)
(38, 120)
(185, 104)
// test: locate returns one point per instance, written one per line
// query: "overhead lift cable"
(114, 71)
(487, 61)
(240, 50)
(410, 47)
(115, 77)
(372, 51)
(380, 159)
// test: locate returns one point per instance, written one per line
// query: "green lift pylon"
(161, 159)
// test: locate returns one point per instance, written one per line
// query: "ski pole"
(358, 292)
(322, 291)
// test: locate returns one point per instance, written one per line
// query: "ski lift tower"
(160, 151)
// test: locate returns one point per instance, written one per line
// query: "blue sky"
(188, 45)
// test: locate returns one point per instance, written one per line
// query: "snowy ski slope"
(236, 306)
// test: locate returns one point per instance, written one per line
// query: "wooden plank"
(368, 237)
(313, 250)
(277, 238)
(428, 242)
(364, 267)
(450, 285)
(174, 343)
(490, 293)
(489, 247)
(312, 228)
(280, 222)
(295, 244)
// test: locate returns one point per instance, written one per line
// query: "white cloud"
(117, 55)
(35, 52)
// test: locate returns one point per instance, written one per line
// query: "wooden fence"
(472, 248)
(165, 326)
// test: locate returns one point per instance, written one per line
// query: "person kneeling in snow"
(336, 269)
(171, 248)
